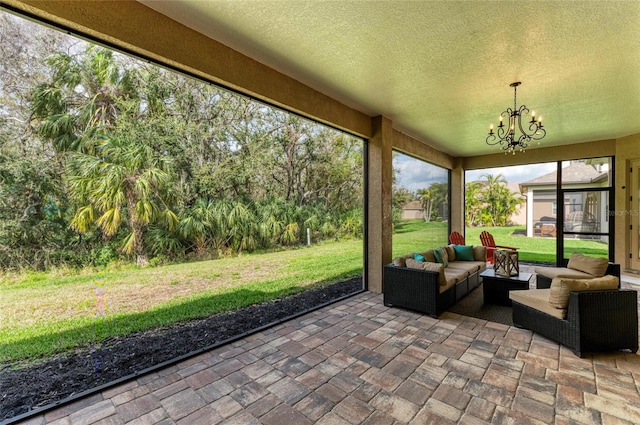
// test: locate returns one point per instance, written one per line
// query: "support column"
(379, 179)
(456, 203)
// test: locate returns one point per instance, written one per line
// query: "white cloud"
(414, 174)
(515, 174)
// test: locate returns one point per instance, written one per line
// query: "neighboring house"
(411, 210)
(584, 210)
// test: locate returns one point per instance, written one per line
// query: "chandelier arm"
(492, 140)
(539, 133)
(522, 112)
(505, 135)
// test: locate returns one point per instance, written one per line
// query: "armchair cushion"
(538, 299)
(594, 266)
(560, 288)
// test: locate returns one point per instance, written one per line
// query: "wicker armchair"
(596, 321)
(543, 281)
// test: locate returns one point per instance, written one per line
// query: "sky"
(414, 174)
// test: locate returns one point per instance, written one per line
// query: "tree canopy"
(489, 202)
(103, 157)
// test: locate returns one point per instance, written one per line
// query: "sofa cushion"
(463, 252)
(480, 253)
(552, 272)
(455, 275)
(427, 266)
(441, 256)
(594, 266)
(538, 299)
(451, 252)
(560, 288)
(468, 266)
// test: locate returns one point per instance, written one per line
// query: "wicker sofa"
(589, 315)
(413, 287)
(577, 266)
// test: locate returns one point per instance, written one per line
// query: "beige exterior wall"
(140, 30)
(627, 150)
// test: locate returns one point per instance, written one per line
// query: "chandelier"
(512, 136)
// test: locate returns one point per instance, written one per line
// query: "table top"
(491, 273)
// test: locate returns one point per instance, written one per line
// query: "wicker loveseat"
(407, 284)
(589, 315)
(578, 266)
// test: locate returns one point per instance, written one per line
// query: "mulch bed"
(39, 384)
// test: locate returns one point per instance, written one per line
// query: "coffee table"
(495, 288)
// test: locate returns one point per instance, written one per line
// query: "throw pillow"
(480, 253)
(441, 256)
(428, 256)
(561, 286)
(400, 262)
(451, 252)
(463, 252)
(594, 266)
(418, 257)
(427, 266)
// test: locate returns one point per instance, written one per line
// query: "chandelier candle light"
(507, 137)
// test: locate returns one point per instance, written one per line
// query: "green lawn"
(536, 250)
(416, 236)
(42, 314)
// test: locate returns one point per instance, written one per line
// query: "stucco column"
(457, 198)
(379, 203)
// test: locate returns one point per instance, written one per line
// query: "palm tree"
(426, 200)
(127, 183)
(80, 98)
(197, 224)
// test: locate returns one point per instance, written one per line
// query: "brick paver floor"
(358, 361)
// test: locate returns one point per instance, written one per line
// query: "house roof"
(575, 173)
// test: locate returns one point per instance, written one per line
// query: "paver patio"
(358, 361)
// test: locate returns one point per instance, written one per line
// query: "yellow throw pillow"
(427, 266)
(594, 266)
(561, 286)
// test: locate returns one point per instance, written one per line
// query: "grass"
(536, 250)
(42, 315)
(46, 313)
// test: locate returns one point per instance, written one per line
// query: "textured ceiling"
(441, 69)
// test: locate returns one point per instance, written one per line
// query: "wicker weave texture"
(596, 321)
(419, 290)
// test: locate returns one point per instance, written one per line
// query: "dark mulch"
(40, 384)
